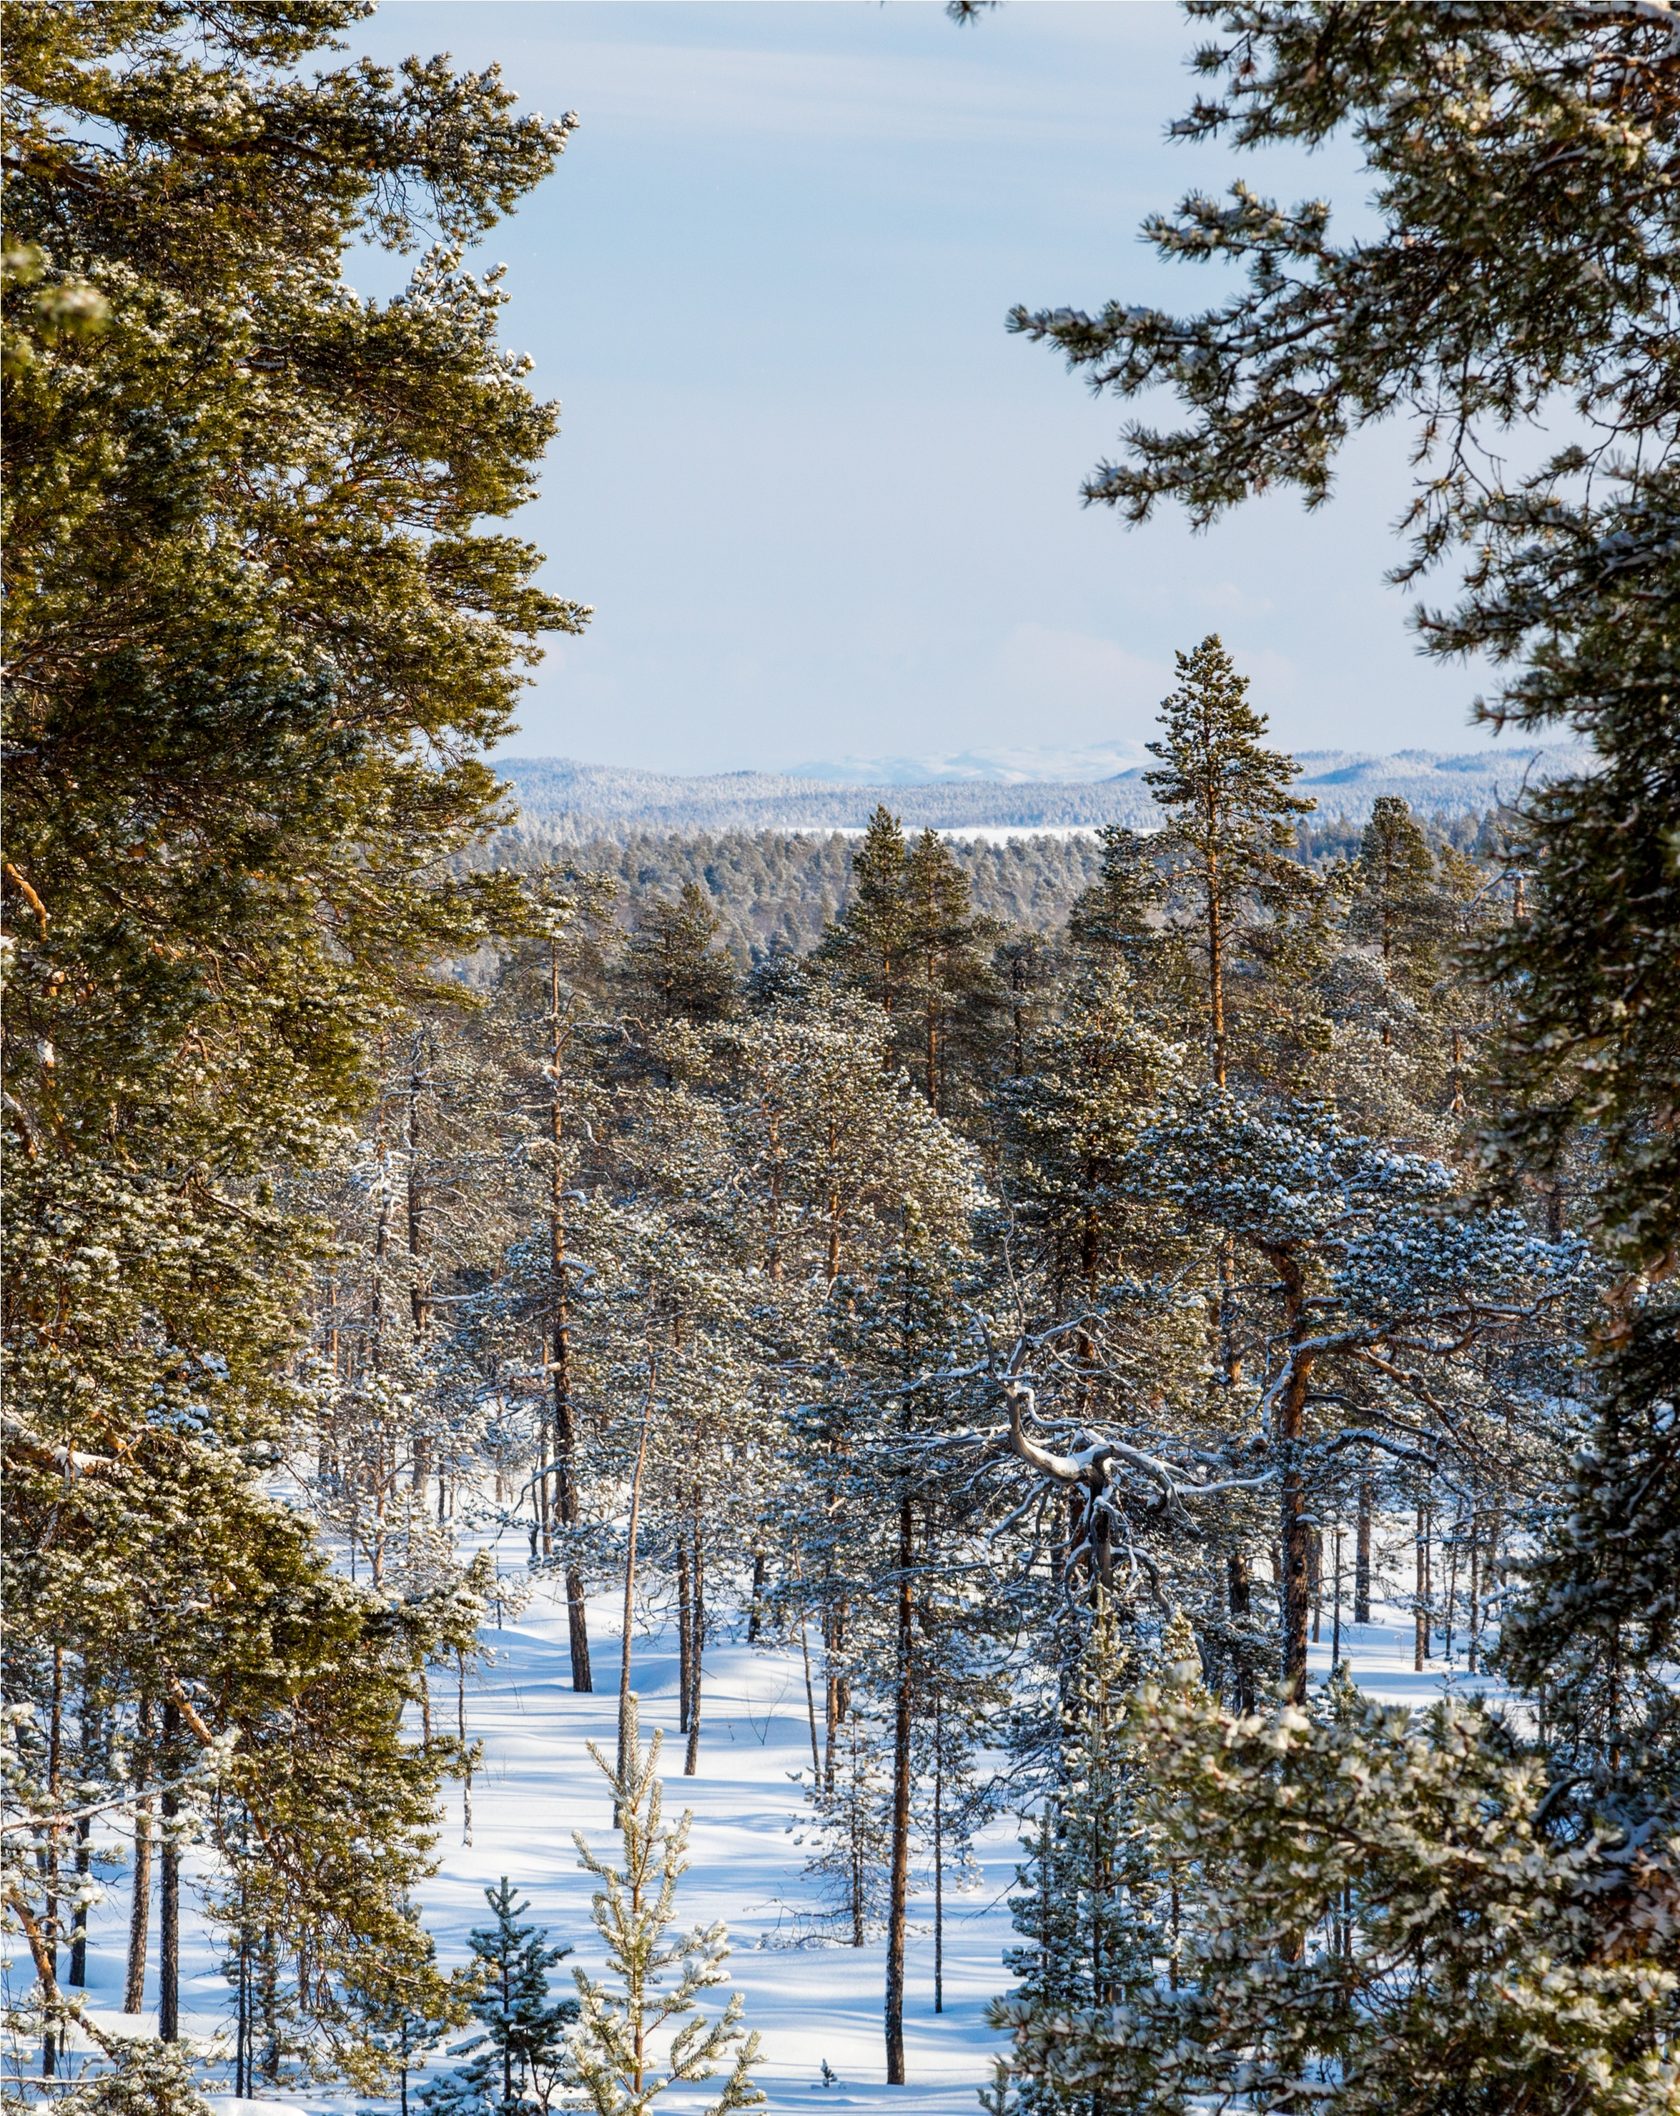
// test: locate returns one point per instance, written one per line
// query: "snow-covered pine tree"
(1570, 583)
(953, 987)
(1368, 1897)
(849, 1826)
(644, 2032)
(230, 734)
(868, 947)
(1376, 1279)
(673, 969)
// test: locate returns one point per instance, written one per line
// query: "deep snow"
(811, 2004)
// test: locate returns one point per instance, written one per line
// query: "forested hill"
(564, 800)
(781, 889)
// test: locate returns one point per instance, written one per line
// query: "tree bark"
(169, 1890)
(49, 1923)
(938, 1854)
(755, 1606)
(696, 1653)
(78, 1928)
(1239, 1600)
(1420, 1600)
(419, 1283)
(630, 1599)
(685, 1634)
(1362, 1554)
(1473, 1613)
(140, 1897)
(898, 1900)
(1294, 1526)
(565, 1423)
(466, 1752)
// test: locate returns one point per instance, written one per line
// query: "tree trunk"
(49, 1924)
(1336, 1602)
(1420, 1601)
(1452, 1588)
(78, 1928)
(630, 1602)
(938, 1854)
(565, 1423)
(1362, 1554)
(269, 1960)
(810, 1699)
(755, 1606)
(419, 1283)
(1473, 1614)
(697, 1653)
(1216, 963)
(1295, 1528)
(1239, 1599)
(685, 1635)
(466, 1752)
(898, 1901)
(169, 1891)
(140, 1897)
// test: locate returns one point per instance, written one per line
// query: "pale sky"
(822, 502)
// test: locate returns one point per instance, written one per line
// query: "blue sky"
(821, 501)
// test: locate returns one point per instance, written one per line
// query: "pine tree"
(869, 947)
(1557, 126)
(1224, 848)
(850, 1824)
(253, 678)
(519, 2059)
(952, 986)
(658, 1980)
(671, 962)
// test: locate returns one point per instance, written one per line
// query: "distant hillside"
(562, 801)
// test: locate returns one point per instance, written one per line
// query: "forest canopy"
(1057, 1297)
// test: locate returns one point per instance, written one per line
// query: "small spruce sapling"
(518, 2061)
(617, 2044)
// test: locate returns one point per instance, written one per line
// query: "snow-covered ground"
(811, 2004)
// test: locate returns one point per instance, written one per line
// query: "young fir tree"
(850, 1826)
(1096, 1909)
(518, 2060)
(645, 2033)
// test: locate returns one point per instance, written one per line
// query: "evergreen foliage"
(1003, 1275)
(1367, 1895)
(518, 2062)
(255, 636)
(658, 1978)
